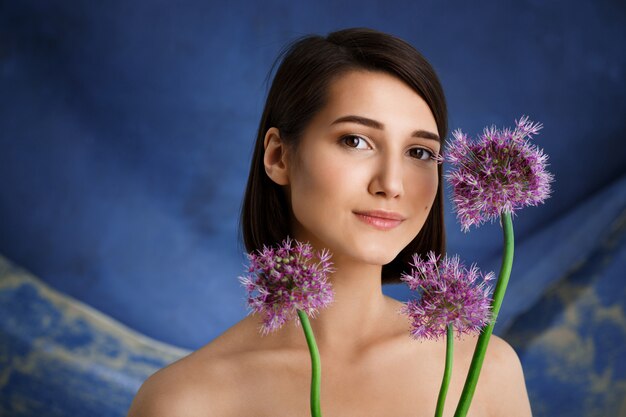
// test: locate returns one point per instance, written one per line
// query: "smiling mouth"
(378, 222)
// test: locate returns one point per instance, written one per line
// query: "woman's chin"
(364, 252)
(378, 258)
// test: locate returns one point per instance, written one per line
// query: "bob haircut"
(299, 91)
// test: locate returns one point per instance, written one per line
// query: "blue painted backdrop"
(126, 130)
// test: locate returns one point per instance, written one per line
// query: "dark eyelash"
(343, 139)
(433, 155)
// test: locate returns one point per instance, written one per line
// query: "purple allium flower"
(449, 295)
(499, 173)
(285, 281)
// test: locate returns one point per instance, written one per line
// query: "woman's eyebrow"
(378, 125)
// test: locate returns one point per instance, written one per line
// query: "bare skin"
(370, 366)
(242, 373)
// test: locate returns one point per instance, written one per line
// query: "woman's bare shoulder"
(505, 379)
(200, 384)
(181, 389)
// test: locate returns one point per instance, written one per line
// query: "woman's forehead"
(378, 97)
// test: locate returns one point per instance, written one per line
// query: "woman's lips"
(378, 222)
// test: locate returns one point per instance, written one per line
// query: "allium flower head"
(450, 294)
(282, 280)
(499, 173)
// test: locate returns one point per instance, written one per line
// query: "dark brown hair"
(300, 90)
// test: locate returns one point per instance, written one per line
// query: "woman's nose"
(387, 179)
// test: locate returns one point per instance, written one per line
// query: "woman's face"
(344, 168)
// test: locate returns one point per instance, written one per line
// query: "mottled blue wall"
(61, 358)
(126, 129)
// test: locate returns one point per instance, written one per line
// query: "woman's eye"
(352, 141)
(422, 154)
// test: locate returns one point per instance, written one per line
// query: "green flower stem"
(447, 371)
(316, 365)
(483, 340)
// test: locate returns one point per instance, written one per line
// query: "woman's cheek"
(424, 198)
(311, 188)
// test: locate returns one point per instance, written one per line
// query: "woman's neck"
(355, 317)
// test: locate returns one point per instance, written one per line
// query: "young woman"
(343, 160)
